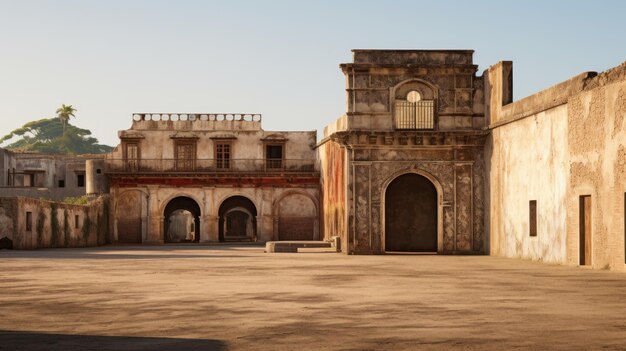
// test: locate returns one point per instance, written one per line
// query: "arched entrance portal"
(182, 220)
(237, 219)
(411, 214)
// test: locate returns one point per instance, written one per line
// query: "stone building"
(429, 157)
(53, 177)
(403, 169)
(211, 178)
(556, 166)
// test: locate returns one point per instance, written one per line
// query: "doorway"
(237, 220)
(181, 220)
(585, 230)
(411, 218)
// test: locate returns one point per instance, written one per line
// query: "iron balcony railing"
(208, 165)
(415, 115)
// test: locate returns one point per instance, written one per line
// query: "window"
(98, 171)
(80, 180)
(532, 222)
(29, 221)
(61, 183)
(76, 220)
(222, 155)
(185, 155)
(414, 112)
(131, 156)
(274, 156)
(29, 179)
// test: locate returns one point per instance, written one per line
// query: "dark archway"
(411, 214)
(174, 214)
(237, 219)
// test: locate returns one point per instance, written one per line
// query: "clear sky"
(279, 58)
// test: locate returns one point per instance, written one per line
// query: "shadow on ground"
(33, 341)
(124, 252)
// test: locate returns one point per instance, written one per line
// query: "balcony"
(209, 166)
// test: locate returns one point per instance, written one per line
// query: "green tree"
(48, 136)
(64, 113)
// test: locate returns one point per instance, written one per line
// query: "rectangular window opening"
(98, 171)
(131, 156)
(222, 155)
(76, 221)
(418, 115)
(61, 183)
(80, 180)
(185, 156)
(274, 156)
(29, 221)
(532, 210)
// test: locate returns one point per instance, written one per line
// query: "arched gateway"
(237, 219)
(411, 223)
(181, 220)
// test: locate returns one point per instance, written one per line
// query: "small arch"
(237, 219)
(414, 105)
(174, 219)
(301, 222)
(435, 221)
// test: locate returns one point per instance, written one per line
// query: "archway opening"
(237, 219)
(411, 221)
(181, 220)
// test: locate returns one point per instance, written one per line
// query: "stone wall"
(555, 146)
(332, 158)
(141, 209)
(34, 224)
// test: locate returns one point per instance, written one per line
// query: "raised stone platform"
(293, 246)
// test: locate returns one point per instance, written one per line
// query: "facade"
(556, 163)
(429, 157)
(52, 177)
(403, 169)
(212, 178)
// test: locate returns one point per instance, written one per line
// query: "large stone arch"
(175, 221)
(237, 219)
(296, 216)
(438, 206)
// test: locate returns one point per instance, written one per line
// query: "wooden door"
(585, 230)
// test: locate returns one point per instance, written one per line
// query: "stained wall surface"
(554, 147)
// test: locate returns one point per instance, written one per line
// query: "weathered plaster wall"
(597, 140)
(374, 76)
(332, 158)
(53, 224)
(157, 140)
(562, 143)
(146, 205)
(529, 161)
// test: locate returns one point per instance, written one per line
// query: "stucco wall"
(333, 187)
(54, 224)
(529, 162)
(148, 204)
(554, 147)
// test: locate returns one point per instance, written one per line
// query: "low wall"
(33, 224)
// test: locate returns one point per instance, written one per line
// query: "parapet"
(196, 121)
(412, 57)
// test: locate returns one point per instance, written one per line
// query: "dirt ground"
(239, 298)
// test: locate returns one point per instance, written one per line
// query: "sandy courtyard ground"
(239, 298)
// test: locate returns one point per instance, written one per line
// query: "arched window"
(414, 106)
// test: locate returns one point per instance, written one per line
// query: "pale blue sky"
(279, 58)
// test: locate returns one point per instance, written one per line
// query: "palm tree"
(64, 113)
